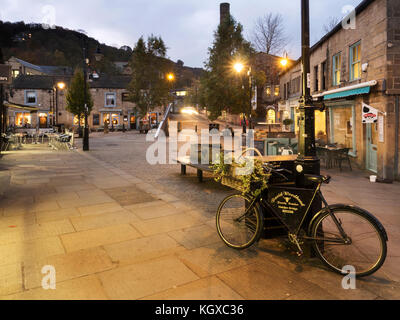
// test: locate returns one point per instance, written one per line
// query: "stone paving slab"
(68, 266)
(25, 251)
(147, 248)
(144, 279)
(99, 237)
(10, 279)
(204, 289)
(213, 259)
(36, 231)
(104, 220)
(254, 281)
(166, 224)
(198, 236)
(85, 288)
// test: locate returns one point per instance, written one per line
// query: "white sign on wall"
(381, 129)
(369, 114)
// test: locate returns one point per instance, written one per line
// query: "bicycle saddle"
(318, 179)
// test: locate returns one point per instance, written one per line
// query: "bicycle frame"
(296, 231)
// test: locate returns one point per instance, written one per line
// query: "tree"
(269, 34)
(149, 87)
(221, 89)
(331, 24)
(76, 96)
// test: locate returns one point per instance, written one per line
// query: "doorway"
(43, 123)
(372, 147)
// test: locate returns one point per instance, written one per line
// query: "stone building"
(351, 67)
(37, 100)
(21, 67)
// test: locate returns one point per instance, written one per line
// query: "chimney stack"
(224, 11)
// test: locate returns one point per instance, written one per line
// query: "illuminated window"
(43, 120)
(268, 91)
(271, 116)
(355, 61)
(337, 62)
(15, 73)
(111, 100)
(96, 119)
(181, 93)
(23, 118)
(76, 121)
(277, 91)
(30, 97)
(115, 119)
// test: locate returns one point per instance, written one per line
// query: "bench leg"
(200, 175)
(183, 170)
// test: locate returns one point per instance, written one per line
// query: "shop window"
(343, 127)
(76, 120)
(111, 100)
(336, 71)
(115, 119)
(355, 61)
(23, 119)
(277, 91)
(268, 91)
(30, 97)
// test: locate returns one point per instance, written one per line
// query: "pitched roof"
(48, 82)
(111, 82)
(49, 70)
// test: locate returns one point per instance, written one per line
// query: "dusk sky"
(187, 26)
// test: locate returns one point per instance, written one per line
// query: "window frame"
(353, 63)
(105, 100)
(26, 98)
(336, 69)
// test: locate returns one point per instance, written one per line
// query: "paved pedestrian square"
(128, 230)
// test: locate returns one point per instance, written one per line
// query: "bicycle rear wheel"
(363, 246)
(238, 229)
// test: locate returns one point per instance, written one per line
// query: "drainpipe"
(396, 138)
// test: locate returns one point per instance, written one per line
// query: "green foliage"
(76, 96)
(252, 182)
(149, 87)
(55, 47)
(288, 122)
(223, 88)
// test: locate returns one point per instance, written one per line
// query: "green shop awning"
(348, 93)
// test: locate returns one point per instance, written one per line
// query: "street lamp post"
(239, 68)
(307, 161)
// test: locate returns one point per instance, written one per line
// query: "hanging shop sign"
(369, 114)
(5, 74)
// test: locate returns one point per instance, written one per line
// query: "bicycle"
(341, 235)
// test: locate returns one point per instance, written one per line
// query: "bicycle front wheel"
(237, 226)
(350, 237)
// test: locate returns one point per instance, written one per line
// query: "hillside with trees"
(63, 47)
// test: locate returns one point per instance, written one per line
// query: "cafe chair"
(342, 155)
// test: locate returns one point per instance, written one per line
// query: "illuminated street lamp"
(239, 67)
(170, 77)
(59, 86)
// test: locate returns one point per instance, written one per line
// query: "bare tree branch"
(269, 34)
(331, 24)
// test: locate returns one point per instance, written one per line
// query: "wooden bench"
(185, 162)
